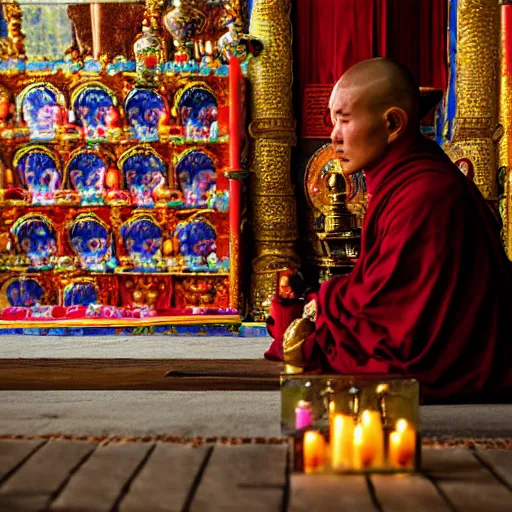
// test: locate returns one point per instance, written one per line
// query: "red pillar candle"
(235, 185)
(234, 114)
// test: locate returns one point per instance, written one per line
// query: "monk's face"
(360, 133)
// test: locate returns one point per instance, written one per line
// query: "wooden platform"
(77, 475)
(140, 374)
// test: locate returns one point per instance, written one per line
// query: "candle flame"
(382, 388)
(310, 436)
(402, 425)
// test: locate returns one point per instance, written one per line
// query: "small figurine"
(148, 52)
(214, 125)
(180, 54)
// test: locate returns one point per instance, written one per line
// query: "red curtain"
(332, 35)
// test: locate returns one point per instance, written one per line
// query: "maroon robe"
(431, 294)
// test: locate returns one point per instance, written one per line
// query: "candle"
(342, 441)
(96, 29)
(234, 113)
(369, 441)
(402, 445)
(303, 415)
(314, 451)
(235, 186)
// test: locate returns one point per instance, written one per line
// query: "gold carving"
(13, 46)
(504, 148)
(476, 115)
(273, 128)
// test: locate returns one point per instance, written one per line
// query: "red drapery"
(332, 35)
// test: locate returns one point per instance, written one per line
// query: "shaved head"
(373, 105)
(381, 84)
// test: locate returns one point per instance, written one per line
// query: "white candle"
(402, 445)
(96, 30)
(342, 441)
(369, 441)
(313, 451)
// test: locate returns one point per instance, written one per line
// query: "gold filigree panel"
(272, 163)
(477, 62)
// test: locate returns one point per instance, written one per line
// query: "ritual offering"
(351, 424)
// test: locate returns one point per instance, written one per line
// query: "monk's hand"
(310, 310)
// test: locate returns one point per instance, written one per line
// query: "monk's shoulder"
(431, 184)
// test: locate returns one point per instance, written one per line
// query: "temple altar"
(120, 189)
(159, 163)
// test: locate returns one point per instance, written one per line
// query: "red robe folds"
(431, 294)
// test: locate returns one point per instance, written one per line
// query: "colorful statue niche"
(39, 173)
(197, 242)
(197, 177)
(142, 238)
(23, 292)
(80, 293)
(144, 109)
(92, 104)
(144, 173)
(198, 109)
(35, 239)
(40, 105)
(86, 174)
(91, 241)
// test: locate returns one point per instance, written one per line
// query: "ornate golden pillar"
(505, 149)
(274, 216)
(476, 118)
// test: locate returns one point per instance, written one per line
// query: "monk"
(431, 294)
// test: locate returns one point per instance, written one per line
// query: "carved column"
(505, 105)
(274, 216)
(477, 68)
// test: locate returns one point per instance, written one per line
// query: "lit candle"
(303, 415)
(314, 451)
(402, 445)
(342, 442)
(369, 441)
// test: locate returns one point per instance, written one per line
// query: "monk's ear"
(397, 121)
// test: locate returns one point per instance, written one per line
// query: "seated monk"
(430, 296)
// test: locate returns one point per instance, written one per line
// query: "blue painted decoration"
(91, 106)
(197, 244)
(198, 113)
(197, 177)
(36, 238)
(91, 242)
(144, 107)
(40, 106)
(142, 238)
(24, 292)
(39, 173)
(143, 171)
(80, 294)
(86, 172)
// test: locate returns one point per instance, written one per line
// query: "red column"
(235, 185)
